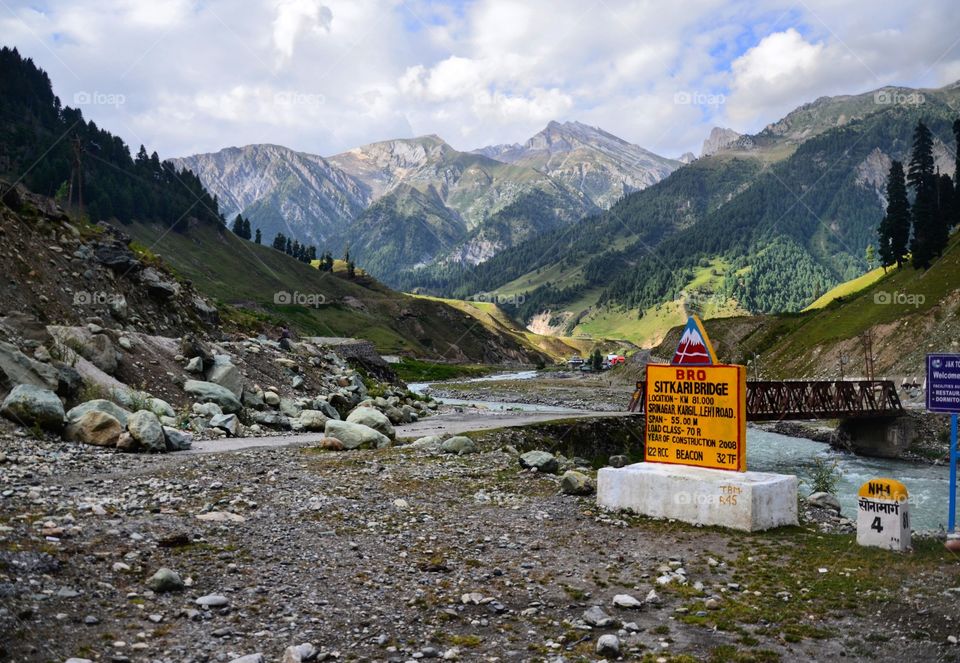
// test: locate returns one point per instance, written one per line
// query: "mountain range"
(403, 203)
(759, 223)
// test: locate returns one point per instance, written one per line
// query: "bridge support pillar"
(888, 437)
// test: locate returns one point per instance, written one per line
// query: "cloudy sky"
(186, 76)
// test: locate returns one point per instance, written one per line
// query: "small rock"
(221, 517)
(608, 646)
(576, 483)
(618, 461)
(712, 604)
(627, 601)
(824, 501)
(250, 658)
(300, 653)
(213, 601)
(541, 461)
(331, 444)
(165, 580)
(595, 616)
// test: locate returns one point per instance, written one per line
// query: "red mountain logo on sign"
(694, 348)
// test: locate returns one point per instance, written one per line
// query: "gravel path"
(388, 555)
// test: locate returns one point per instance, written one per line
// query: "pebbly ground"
(400, 554)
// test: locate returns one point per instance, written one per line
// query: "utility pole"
(866, 338)
(76, 174)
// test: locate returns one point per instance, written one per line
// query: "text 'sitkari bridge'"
(811, 399)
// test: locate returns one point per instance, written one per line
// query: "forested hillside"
(767, 225)
(41, 142)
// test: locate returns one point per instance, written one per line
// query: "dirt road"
(449, 423)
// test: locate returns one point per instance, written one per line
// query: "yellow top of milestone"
(884, 489)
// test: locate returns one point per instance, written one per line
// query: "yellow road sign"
(697, 416)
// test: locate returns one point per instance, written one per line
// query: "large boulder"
(117, 257)
(290, 408)
(356, 436)
(99, 405)
(429, 442)
(29, 405)
(177, 440)
(226, 422)
(17, 368)
(313, 420)
(69, 382)
(340, 403)
(541, 461)
(94, 427)
(145, 428)
(99, 351)
(160, 407)
(373, 418)
(208, 392)
(191, 347)
(324, 406)
(158, 286)
(205, 310)
(226, 374)
(460, 445)
(271, 419)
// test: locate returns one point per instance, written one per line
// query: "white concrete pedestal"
(749, 501)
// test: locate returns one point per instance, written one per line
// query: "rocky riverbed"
(404, 554)
(582, 392)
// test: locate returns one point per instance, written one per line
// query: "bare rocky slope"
(588, 159)
(377, 198)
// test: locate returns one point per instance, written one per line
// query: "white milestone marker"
(883, 515)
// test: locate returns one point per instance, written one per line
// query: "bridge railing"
(769, 400)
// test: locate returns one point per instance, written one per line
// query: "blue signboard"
(943, 395)
(943, 383)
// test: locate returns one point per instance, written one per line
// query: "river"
(928, 485)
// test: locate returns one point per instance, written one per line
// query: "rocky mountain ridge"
(588, 159)
(571, 169)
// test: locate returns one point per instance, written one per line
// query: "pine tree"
(288, 248)
(237, 227)
(246, 229)
(946, 213)
(596, 360)
(257, 238)
(956, 175)
(922, 180)
(894, 230)
(280, 242)
(351, 269)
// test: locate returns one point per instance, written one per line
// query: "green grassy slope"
(908, 313)
(248, 277)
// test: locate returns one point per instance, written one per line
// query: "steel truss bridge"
(811, 399)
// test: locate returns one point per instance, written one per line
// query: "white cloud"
(325, 75)
(294, 18)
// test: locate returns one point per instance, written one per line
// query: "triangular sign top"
(694, 348)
